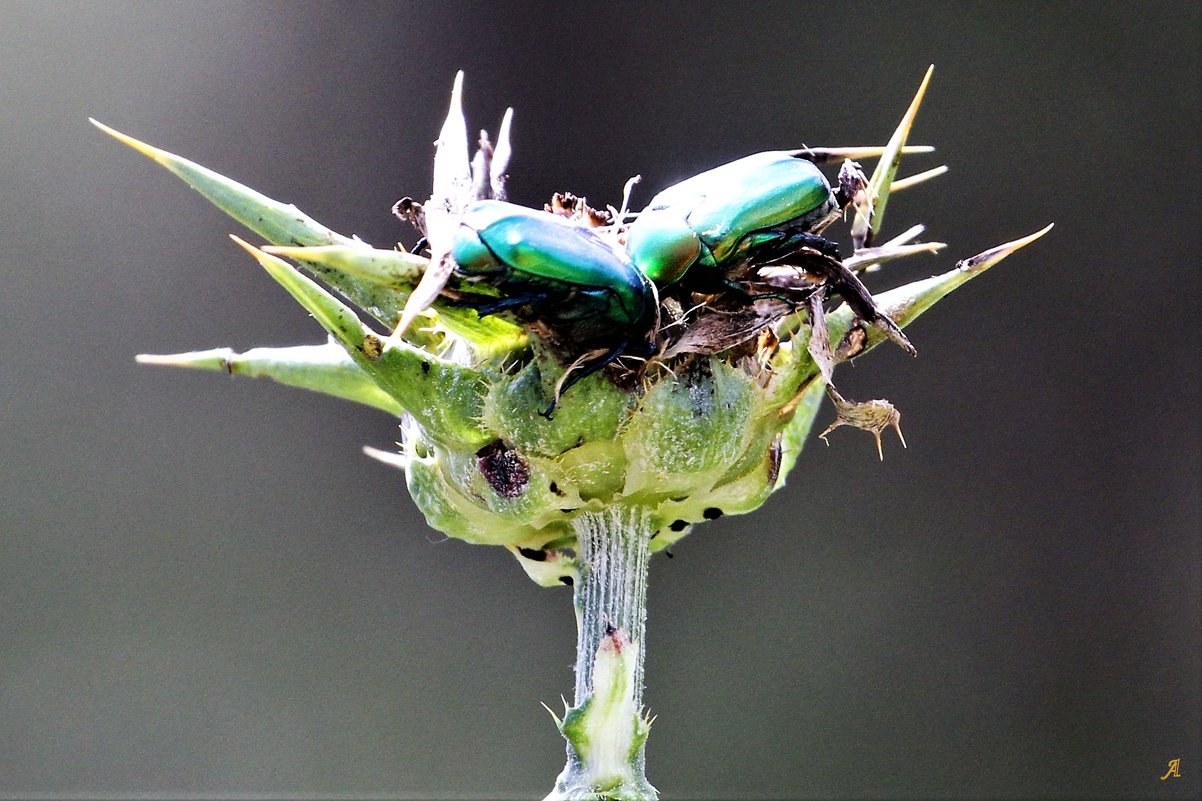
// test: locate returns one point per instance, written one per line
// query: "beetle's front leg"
(819, 243)
(485, 306)
(849, 287)
(580, 371)
(751, 297)
(786, 245)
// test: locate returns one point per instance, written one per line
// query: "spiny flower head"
(710, 424)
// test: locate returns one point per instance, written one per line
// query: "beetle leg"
(789, 243)
(842, 280)
(741, 291)
(852, 289)
(819, 243)
(496, 305)
(572, 377)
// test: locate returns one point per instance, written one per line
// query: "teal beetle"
(752, 208)
(763, 208)
(536, 258)
(556, 272)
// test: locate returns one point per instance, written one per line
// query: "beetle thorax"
(662, 245)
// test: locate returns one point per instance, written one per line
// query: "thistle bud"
(633, 457)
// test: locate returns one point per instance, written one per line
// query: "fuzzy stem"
(612, 591)
(604, 728)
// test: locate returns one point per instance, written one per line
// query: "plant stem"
(612, 591)
(604, 728)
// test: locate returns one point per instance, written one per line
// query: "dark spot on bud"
(533, 554)
(567, 511)
(679, 525)
(712, 513)
(372, 348)
(555, 490)
(425, 368)
(567, 580)
(774, 456)
(504, 470)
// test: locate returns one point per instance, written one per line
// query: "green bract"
(634, 456)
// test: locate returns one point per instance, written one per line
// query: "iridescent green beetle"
(752, 211)
(556, 272)
(767, 203)
(537, 258)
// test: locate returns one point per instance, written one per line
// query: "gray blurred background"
(206, 588)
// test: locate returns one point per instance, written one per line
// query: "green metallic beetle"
(554, 271)
(763, 208)
(540, 259)
(760, 204)
(701, 233)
